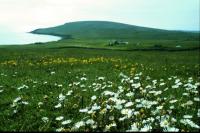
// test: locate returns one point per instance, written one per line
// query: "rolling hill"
(99, 34)
(112, 30)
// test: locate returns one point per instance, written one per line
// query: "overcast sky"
(26, 15)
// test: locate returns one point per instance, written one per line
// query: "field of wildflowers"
(99, 90)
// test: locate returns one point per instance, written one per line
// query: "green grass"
(35, 80)
(34, 66)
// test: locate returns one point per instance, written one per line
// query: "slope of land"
(99, 34)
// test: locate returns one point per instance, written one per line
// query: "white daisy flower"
(122, 118)
(198, 113)
(25, 103)
(172, 107)
(69, 93)
(134, 128)
(146, 128)
(159, 107)
(111, 118)
(83, 110)
(90, 122)
(101, 78)
(161, 84)
(40, 103)
(45, 119)
(61, 97)
(164, 123)
(82, 86)
(185, 94)
(79, 124)
(83, 79)
(93, 98)
(136, 78)
(60, 129)
(60, 85)
(128, 104)
(187, 116)
(53, 73)
(173, 101)
(17, 99)
(171, 129)
(58, 105)
(189, 103)
(59, 118)
(175, 86)
(95, 107)
(66, 122)
(196, 99)
(130, 94)
(189, 122)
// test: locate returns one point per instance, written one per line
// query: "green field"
(82, 84)
(38, 85)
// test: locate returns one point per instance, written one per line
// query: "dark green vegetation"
(98, 34)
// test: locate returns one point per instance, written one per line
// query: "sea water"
(20, 38)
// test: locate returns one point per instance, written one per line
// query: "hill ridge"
(111, 30)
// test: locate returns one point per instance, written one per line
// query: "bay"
(22, 38)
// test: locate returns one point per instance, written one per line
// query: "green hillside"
(98, 34)
(112, 30)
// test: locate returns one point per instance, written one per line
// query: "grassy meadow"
(52, 88)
